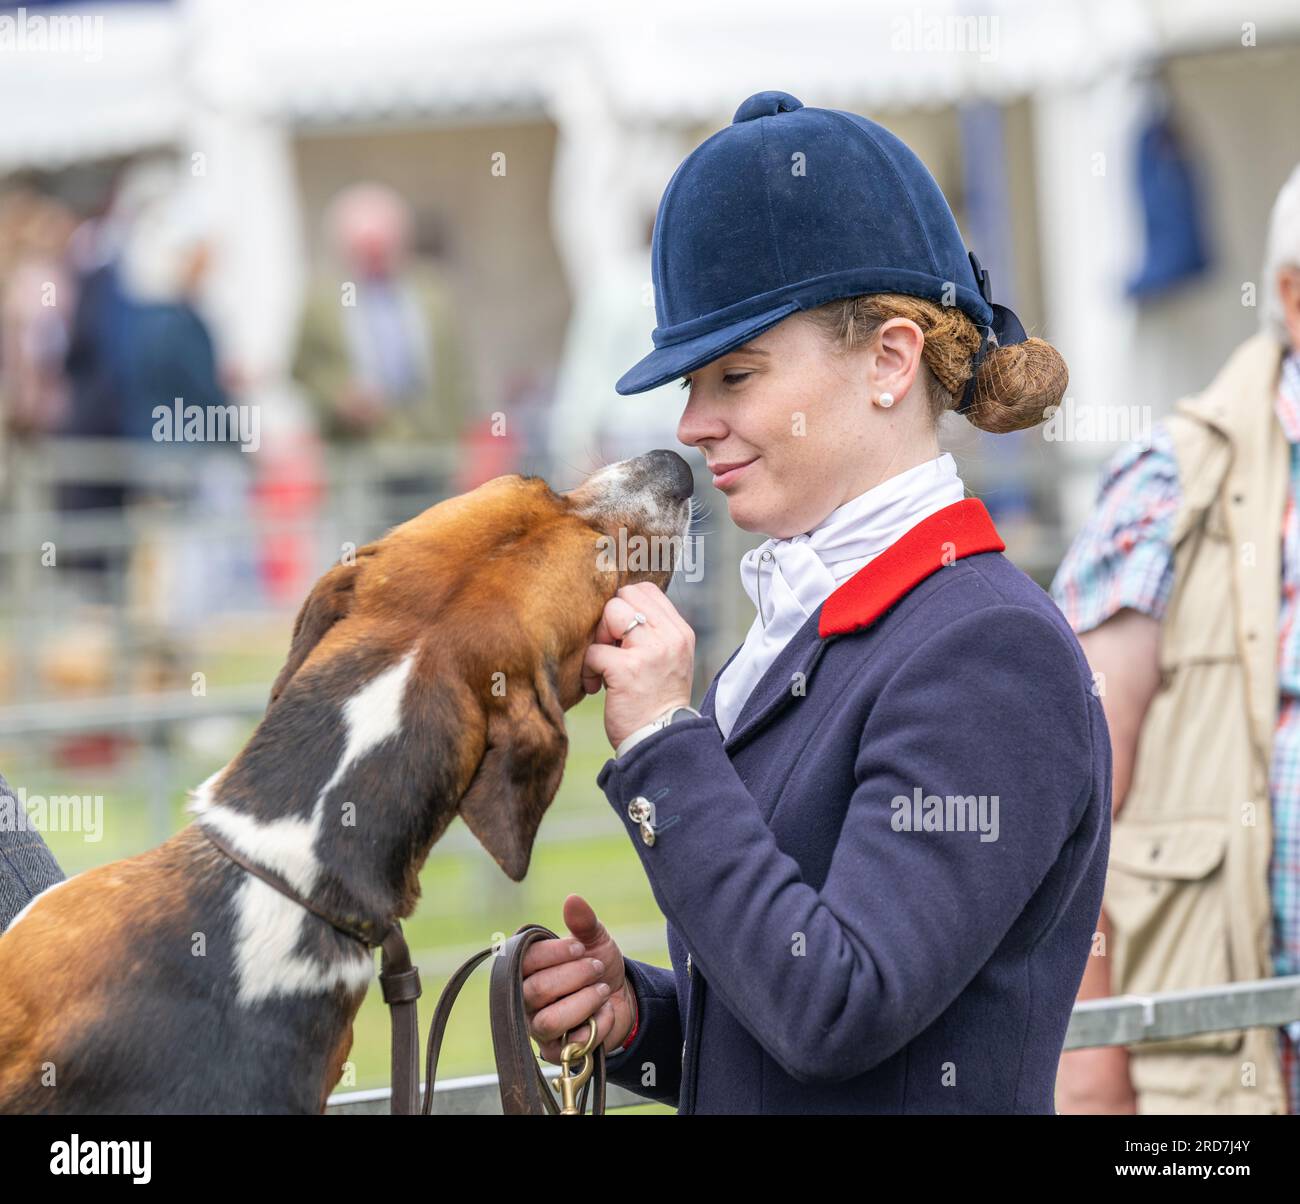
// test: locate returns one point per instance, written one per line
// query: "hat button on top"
(766, 104)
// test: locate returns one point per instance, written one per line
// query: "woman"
(881, 845)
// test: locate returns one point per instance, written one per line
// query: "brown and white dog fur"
(427, 679)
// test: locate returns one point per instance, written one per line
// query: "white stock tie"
(788, 579)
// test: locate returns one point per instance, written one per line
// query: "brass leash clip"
(569, 1084)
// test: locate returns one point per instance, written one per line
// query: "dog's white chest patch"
(266, 937)
(268, 924)
(374, 713)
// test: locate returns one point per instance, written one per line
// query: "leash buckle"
(569, 1084)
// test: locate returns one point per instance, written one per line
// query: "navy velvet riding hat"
(785, 209)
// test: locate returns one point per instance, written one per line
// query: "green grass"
(465, 897)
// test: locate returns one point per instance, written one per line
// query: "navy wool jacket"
(881, 889)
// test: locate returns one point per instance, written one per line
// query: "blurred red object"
(94, 750)
(289, 490)
(484, 455)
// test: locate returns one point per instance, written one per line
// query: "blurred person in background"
(96, 363)
(197, 561)
(171, 353)
(379, 351)
(36, 302)
(1178, 587)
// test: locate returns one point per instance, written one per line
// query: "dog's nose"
(670, 467)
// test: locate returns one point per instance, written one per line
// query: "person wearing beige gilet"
(1188, 889)
(1184, 589)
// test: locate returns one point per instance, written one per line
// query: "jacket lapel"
(961, 529)
(786, 679)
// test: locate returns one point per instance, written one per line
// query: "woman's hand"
(646, 672)
(569, 979)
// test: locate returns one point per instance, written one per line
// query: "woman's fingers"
(603, 634)
(651, 601)
(550, 952)
(643, 656)
(658, 614)
(598, 660)
(618, 616)
(544, 987)
(619, 611)
(614, 622)
(641, 598)
(565, 983)
(567, 1013)
(551, 1049)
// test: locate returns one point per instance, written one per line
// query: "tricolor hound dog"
(427, 679)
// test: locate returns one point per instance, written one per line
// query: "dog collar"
(365, 931)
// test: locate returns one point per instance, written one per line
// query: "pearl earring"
(886, 399)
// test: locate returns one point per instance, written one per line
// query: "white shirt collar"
(853, 533)
(788, 579)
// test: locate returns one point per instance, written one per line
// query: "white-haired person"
(1182, 588)
(380, 352)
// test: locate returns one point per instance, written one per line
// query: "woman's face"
(790, 428)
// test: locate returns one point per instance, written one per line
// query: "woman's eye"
(730, 378)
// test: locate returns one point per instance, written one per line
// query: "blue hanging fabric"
(1172, 212)
(987, 201)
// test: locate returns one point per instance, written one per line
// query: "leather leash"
(525, 1090)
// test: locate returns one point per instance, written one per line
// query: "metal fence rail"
(355, 505)
(1122, 1020)
(153, 716)
(130, 712)
(1127, 1019)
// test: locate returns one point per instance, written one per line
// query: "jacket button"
(639, 811)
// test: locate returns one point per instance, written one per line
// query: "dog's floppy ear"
(328, 602)
(520, 771)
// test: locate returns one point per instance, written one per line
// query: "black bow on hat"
(1001, 332)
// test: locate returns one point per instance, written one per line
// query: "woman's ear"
(520, 772)
(897, 357)
(329, 601)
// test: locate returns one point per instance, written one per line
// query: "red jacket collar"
(961, 529)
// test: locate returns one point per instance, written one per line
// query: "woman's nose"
(698, 423)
